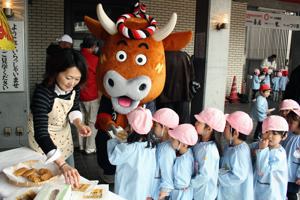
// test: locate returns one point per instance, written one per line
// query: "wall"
(161, 10)
(45, 24)
(236, 57)
(216, 56)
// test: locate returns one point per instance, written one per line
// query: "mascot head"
(132, 68)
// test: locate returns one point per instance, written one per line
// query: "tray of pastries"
(31, 173)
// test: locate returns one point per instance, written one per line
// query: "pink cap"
(279, 74)
(185, 133)
(257, 71)
(289, 104)
(213, 118)
(140, 120)
(297, 112)
(240, 121)
(166, 117)
(274, 123)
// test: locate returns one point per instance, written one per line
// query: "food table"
(15, 156)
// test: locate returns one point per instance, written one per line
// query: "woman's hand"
(82, 129)
(71, 175)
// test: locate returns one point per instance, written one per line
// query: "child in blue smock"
(266, 76)
(236, 173)
(206, 154)
(183, 137)
(271, 172)
(275, 86)
(292, 145)
(286, 106)
(260, 108)
(255, 83)
(135, 159)
(163, 120)
(283, 82)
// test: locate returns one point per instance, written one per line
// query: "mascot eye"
(121, 56)
(141, 59)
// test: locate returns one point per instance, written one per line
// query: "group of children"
(161, 159)
(278, 82)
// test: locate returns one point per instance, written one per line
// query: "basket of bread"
(31, 173)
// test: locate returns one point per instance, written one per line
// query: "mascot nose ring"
(142, 87)
(111, 82)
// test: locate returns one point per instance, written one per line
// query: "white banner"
(272, 20)
(12, 62)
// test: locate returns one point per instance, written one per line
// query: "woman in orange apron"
(55, 102)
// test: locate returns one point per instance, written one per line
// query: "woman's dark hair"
(88, 41)
(135, 137)
(59, 61)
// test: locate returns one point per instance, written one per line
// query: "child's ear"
(284, 136)
(236, 133)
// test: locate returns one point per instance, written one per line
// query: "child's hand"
(271, 110)
(298, 182)
(263, 144)
(162, 195)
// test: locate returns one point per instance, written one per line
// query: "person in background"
(236, 173)
(260, 109)
(135, 159)
(286, 106)
(89, 95)
(55, 102)
(206, 154)
(255, 83)
(164, 119)
(291, 146)
(265, 77)
(283, 81)
(271, 171)
(270, 62)
(65, 41)
(275, 86)
(183, 137)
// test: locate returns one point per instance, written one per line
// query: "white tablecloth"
(15, 156)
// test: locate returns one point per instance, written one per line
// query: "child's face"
(175, 144)
(284, 113)
(200, 126)
(294, 125)
(227, 133)
(274, 139)
(158, 129)
(266, 93)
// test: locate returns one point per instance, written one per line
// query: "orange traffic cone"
(233, 98)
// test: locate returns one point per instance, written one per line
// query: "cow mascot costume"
(131, 69)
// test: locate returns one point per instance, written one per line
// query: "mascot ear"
(177, 41)
(95, 28)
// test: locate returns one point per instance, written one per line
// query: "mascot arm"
(104, 121)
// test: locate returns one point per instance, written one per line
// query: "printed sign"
(12, 62)
(272, 20)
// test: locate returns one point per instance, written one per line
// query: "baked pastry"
(46, 176)
(94, 194)
(82, 187)
(29, 172)
(30, 195)
(20, 171)
(34, 178)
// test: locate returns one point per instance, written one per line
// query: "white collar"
(59, 91)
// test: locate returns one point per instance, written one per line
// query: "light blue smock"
(163, 180)
(275, 82)
(182, 172)
(207, 161)
(135, 168)
(260, 108)
(255, 82)
(283, 82)
(236, 174)
(267, 80)
(291, 144)
(271, 175)
(253, 147)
